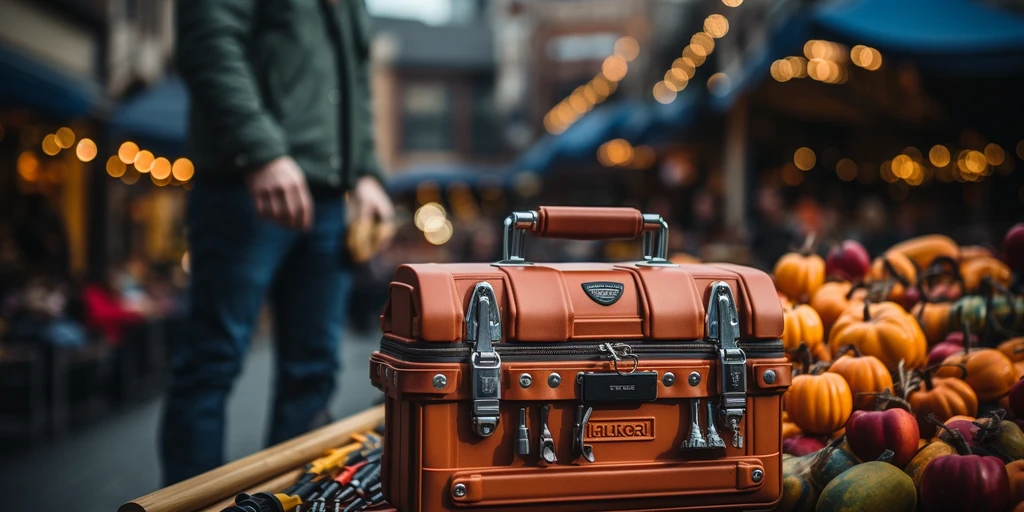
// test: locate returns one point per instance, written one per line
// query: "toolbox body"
(583, 386)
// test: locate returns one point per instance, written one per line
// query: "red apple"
(1017, 399)
(801, 445)
(870, 433)
(848, 260)
(911, 296)
(1013, 247)
(942, 350)
(958, 338)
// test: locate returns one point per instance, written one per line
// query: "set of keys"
(697, 440)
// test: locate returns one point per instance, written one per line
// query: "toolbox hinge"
(483, 327)
(723, 331)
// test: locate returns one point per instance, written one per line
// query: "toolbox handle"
(586, 223)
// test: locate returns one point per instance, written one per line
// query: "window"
(427, 117)
(486, 131)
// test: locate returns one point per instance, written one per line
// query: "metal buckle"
(483, 326)
(723, 330)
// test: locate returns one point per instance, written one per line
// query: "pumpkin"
(1007, 312)
(870, 433)
(801, 325)
(924, 249)
(822, 353)
(1015, 400)
(973, 271)
(943, 397)
(896, 269)
(933, 317)
(923, 457)
(964, 481)
(802, 445)
(989, 372)
(832, 461)
(883, 330)
(798, 491)
(943, 350)
(799, 275)
(819, 404)
(789, 429)
(833, 298)
(1013, 348)
(969, 252)
(1015, 474)
(874, 485)
(864, 374)
(999, 437)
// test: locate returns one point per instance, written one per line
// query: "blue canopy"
(443, 175)
(29, 83)
(158, 115)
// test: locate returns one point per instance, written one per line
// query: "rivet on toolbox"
(483, 327)
(723, 330)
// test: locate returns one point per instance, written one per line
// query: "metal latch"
(723, 330)
(483, 326)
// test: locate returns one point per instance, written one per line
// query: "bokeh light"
(144, 160)
(161, 169)
(902, 166)
(128, 151)
(627, 47)
(50, 145)
(994, 154)
(614, 68)
(732, 3)
(804, 158)
(846, 169)
(86, 150)
(65, 137)
(115, 167)
(426, 214)
(664, 93)
(938, 155)
(441, 235)
(28, 166)
(719, 84)
(791, 175)
(183, 170)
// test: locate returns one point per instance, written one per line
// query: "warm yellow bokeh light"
(161, 168)
(614, 68)
(627, 48)
(664, 93)
(791, 175)
(804, 158)
(28, 166)
(615, 152)
(902, 166)
(704, 41)
(732, 3)
(115, 167)
(128, 151)
(144, 160)
(50, 145)
(974, 162)
(86, 150)
(441, 235)
(183, 170)
(938, 155)
(131, 176)
(994, 154)
(690, 53)
(719, 84)
(846, 169)
(65, 137)
(425, 213)
(684, 66)
(781, 70)
(160, 182)
(798, 66)
(716, 26)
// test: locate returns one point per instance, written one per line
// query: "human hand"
(281, 193)
(372, 205)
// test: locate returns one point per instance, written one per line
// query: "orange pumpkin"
(923, 249)
(864, 374)
(1013, 348)
(833, 298)
(973, 271)
(1015, 470)
(801, 325)
(883, 330)
(943, 397)
(819, 404)
(989, 372)
(933, 317)
(789, 429)
(896, 268)
(799, 275)
(822, 353)
(970, 252)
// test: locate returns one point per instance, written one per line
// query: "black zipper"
(428, 352)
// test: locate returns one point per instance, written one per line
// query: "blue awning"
(443, 175)
(158, 115)
(29, 83)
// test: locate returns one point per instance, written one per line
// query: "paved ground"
(98, 467)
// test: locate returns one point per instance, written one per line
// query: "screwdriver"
(330, 460)
(363, 480)
(266, 502)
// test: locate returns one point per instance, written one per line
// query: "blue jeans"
(237, 260)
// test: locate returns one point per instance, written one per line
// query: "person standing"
(280, 132)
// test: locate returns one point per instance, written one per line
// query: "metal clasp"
(483, 326)
(723, 330)
(617, 352)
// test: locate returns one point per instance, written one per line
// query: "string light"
(86, 150)
(65, 137)
(144, 160)
(161, 169)
(597, 90)
(732, 3)
(128, 151)
(627, 47)
(183, 170)
(939, 155)
(664, 92)
(846, 169)
(716, 25)
(804, 158)
(50, 145)
(115, 167)
(994, 154)
(719, 84)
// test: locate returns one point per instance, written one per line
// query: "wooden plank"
(230, 479)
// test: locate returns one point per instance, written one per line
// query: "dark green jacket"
(269, 78)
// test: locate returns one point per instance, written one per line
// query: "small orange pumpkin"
(883, 330)
(789, 429)
(970, 252)
(989, 372)
(933, 317)
(819, 404)
(864, 374)
(1013, 348)
(1015, 470)
(833, 298)
(924, 249)
(822, 354)
(973, 271)
(799, 275)
(894, 267)
(943, 397)
(802, 325)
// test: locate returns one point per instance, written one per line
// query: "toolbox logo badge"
(604, 293)
(619, 430)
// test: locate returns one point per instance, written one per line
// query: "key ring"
(619, 351)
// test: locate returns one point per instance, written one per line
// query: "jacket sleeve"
(369, 165)
(212, 58)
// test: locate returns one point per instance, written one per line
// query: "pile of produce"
(907, 392)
